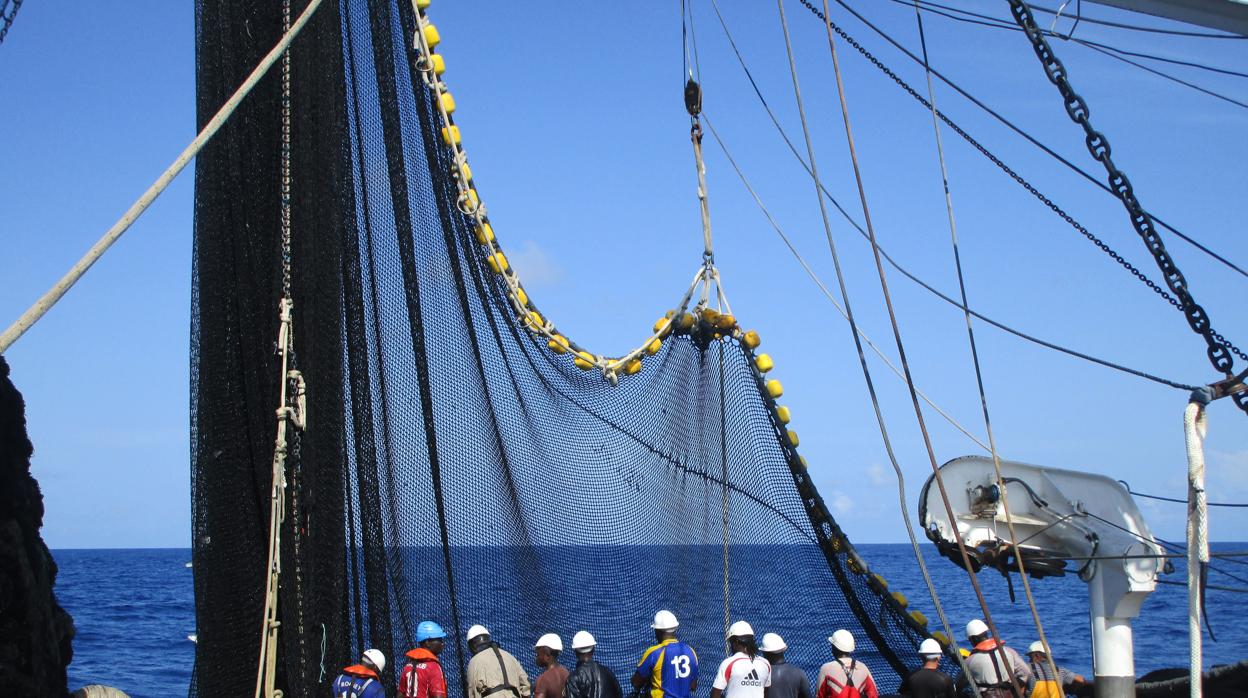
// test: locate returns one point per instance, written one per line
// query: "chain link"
(8, 12)
(295, 461)
(1219, 350)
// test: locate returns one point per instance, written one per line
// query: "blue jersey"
(671, 668)
(348, 686)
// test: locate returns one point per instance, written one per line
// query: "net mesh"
(453, 467)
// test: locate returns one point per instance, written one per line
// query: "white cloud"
(841, 503)
(534, 267)
(877, 476)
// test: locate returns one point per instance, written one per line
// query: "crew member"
(743, 674)
(493, 671)
(996, 675)
(362, 680)
(422, 677)
(669, 667)
(546, 653)
(787, 680)
(1043, 684)
(590, 679)
(928, 681)
(840, 677)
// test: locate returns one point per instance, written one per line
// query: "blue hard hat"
(429, 630)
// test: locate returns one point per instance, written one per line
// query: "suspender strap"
(506, 684)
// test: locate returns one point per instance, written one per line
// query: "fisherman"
(841, 679)
(590, 679)
(996, 676)
(787, 680)
(422, 677)
(1043, 685)
(492, 669)
(669, 667)
(928, 681)
(546, 653)
(743, 674)
(362, 680)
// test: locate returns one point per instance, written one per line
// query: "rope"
(1026, 136)
(866, 211)
(970, 334)
(54, 294)
(862, 359)
(1194, 429)
(289, 414)
(824, 289)
(1218, 350)
(892, 262)
(266, 671)
(723, 473)
(1117, 54)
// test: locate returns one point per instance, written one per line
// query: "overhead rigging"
(1098, 147)
(1013, 127)
(884, 252)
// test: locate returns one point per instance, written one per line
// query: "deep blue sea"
(134, 611)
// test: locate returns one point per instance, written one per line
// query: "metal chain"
(7, 16)
(1218, 351)
(1031, 189)
(293, 377)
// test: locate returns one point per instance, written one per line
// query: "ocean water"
(134, 610)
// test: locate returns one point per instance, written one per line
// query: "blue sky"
(575, 129)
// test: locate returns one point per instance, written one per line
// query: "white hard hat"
(740, 629)
(582, 640)
(1036, 646)
(930, 648)
(376, 658)
(843, 640)
(665, 620)
(773, 643)
(476, 631)
(976, 628)
(551, 641)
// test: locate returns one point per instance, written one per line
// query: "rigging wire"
(1171, 546)
(810, 153)
(1179, 501)
(1113, 52)
(896, 265)
(969, 17)
(1013, 127)
(823, 288)
(862, 360)
(970, 331)
(1099, 148)
(1138, 28)
(1217, 587)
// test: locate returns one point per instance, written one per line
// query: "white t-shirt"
(741, 676)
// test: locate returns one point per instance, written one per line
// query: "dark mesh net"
(453, 467)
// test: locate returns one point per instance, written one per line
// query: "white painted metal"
(1225, 15)
(1060, 514)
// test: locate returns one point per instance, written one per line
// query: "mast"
(1225, 15)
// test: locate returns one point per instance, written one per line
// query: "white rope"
(824, 289)
(54, 294)
(1194, 430)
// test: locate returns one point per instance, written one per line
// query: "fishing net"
(453, 467)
